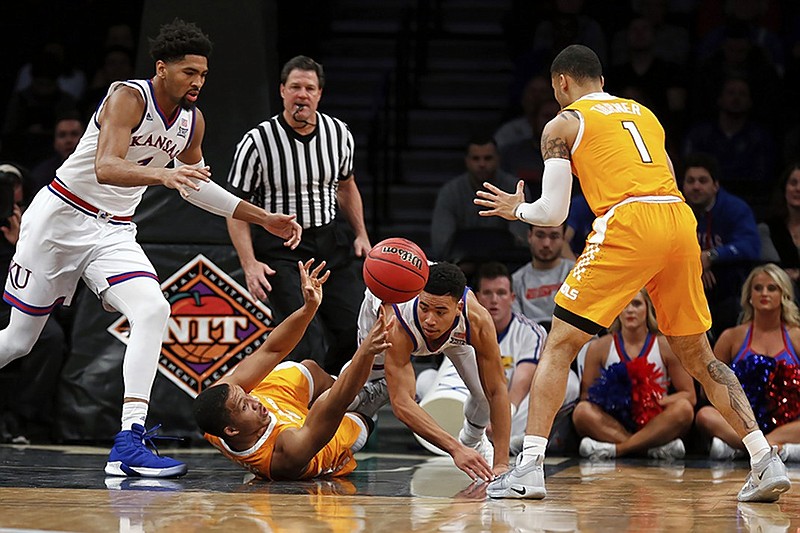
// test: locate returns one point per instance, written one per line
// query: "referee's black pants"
(332, 336)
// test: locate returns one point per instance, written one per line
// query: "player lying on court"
(288, 421)
(446, 318)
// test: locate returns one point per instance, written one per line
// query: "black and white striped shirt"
(285, 172)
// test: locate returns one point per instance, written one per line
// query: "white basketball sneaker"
(525, 481)
(483, 447)
(789, 453)
(722, 451)
(766, 481)
(596, 450)
(674, 449)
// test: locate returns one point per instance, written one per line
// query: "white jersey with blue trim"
(459, 336)
(521, 342)
(154, 142)
(650, 350)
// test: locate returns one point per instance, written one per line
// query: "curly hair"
(446, 279)
(178, 39)
(210, 410)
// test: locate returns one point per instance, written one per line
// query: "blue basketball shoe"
(131, 456)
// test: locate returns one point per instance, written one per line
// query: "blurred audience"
(744, 149)
(728, 236)
(68, 132)
(458, 232)
(31, 115)
(780, 231)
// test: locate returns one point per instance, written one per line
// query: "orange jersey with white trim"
(619, 152)
(284, 392)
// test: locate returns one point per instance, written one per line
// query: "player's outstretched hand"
(472, 463)
(181, 178)
(377, 340)
(311, 281)
(285, 227)
(255, 275)
(499, 202)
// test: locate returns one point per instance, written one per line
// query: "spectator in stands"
(744, 148)
(770, 328)
(68, 132)
(650, 80)
(536, 91)
(26, 400)
(523, 158)
(728, 236)
(780, 231)
(70, 79)
(739, 57)
(536, 284)
(671, 41)
(31, 115)
(117, 65)
(521, 341)
(454, 213)
(634, 334)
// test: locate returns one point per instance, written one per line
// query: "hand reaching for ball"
(311, 282)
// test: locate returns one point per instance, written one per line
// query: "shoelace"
(149, 437)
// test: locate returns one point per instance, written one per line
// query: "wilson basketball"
(395, 270)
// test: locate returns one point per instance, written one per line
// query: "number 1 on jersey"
(637, 140)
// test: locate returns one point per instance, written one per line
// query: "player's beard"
(186, 104)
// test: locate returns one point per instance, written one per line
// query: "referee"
(300, 162)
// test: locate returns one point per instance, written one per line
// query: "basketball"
(395, 270)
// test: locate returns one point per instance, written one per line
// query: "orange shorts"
(652, 245)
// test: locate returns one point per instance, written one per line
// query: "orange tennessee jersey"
(287, 411)
(619, 152)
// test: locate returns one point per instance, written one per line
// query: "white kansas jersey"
(155, 142)
(521, 342)
(459, 336)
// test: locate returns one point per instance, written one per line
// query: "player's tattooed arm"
(555, 136)
(722, 374)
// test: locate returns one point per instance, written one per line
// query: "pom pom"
(754, 373)
(646, 390)
(612, 393)
(783, 394)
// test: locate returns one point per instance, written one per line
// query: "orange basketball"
(395, 270)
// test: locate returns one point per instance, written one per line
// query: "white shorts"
(59, 245)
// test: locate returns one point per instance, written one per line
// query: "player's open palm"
(255, 276)
(311, 281)
(184, 178)
(472, 463)
(285, 227)
(499, 202)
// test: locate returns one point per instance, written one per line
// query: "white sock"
(469, 434)
(757, 446)
(531, 447)
(133, 413)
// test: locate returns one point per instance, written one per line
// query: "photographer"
(27, 386)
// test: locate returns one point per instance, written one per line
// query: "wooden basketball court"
(64, 489)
